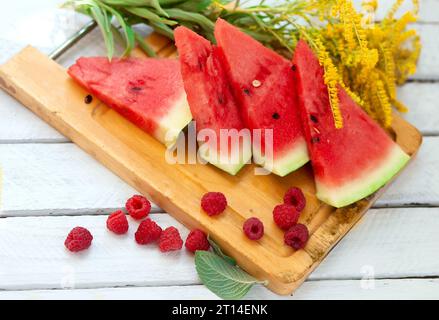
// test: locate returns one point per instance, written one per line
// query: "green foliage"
(267, 24)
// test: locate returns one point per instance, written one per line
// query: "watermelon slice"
(349, 163)
(212, 103)
(148, 92)
(263, 83)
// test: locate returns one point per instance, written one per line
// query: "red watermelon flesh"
(211, 101)
(148, 92)
(263, 83)
(349, 163)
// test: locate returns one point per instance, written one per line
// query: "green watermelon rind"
(366, 184)
(170, 126)
(295, 158)
(245, 153)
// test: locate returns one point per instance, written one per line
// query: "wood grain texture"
(393, 289)
(382, 245)
(139, 159)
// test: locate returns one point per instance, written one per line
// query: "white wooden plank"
(33, 256)
(418, 184)
(387, 243)
(19, 125)
(46, 179)
(428, 66)
(428, 9)
(422, 101)
(395, 243)
(39, 23)
(393, 289)
(57, 179)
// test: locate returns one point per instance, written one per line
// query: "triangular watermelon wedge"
(349, 163)
(263, 83)
(148, 92)
(212, 103)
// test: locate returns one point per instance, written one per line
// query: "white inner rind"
(367, 183)
(287, 163)
(170, 126)
(240, 155)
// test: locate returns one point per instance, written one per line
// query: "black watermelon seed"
(247, 91)
(315, 140)
(220, 99)
(293, 67)
(88, 99)
(136, 89)
(313, 119)
(276, 116)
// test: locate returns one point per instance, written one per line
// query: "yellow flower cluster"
(332, 80)
(369, 59)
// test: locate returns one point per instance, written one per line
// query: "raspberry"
(285, 216)
(197, 240)
(170, 240)
(253, 228)
(78, 239)
(147, 232)
(294, 196)
(138, 207)
(214, 203)
(118, 222)
(297, 236)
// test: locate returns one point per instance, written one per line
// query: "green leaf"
(199, 19)
(223, 279)
(136, 3)
(145, 46)
(128, 32)
(216, 248)
(148, 14)
(163, 29)
(195, 5)
(104, 23)
(170, 3)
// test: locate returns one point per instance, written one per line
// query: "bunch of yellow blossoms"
(369, 59)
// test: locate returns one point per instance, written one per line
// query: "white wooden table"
(49, 186)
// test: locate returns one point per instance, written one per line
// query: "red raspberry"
(214, 203)
(253, 228)
(138, 207)
(297, 236)
(118, 222)
(295, 197)
(285, 216)
(78, 239)
(147, 232)
(197, 240)
(170, 240)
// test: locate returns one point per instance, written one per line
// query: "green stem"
(144, 46)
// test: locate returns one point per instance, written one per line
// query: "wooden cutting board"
(46, 89)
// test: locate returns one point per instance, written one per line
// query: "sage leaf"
(225, 280)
